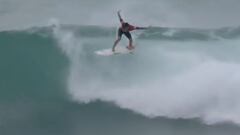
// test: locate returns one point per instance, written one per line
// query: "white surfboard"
(109, 52)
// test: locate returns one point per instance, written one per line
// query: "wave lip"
(153, 33)
(161, 33)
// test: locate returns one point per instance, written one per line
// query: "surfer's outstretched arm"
(119, 16)
(141, 28)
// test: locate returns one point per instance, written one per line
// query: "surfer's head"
(125, 24)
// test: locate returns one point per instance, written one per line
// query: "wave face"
(175, 78)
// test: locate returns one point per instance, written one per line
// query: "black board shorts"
(127, 34)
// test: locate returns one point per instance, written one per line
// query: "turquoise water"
(178, 82)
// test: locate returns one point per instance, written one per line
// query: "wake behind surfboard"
(118, 50)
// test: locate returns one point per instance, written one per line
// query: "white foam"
(193, 84)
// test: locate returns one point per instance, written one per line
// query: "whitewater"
(175, 77)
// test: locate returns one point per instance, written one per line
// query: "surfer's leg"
(129, 36)
(118, 39)
(115, 44)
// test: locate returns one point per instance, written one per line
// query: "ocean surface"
(179, 81)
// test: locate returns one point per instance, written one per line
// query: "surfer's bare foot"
(130, 47)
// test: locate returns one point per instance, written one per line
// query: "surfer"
(125, 29)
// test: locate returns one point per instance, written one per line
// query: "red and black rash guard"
(130, 27)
